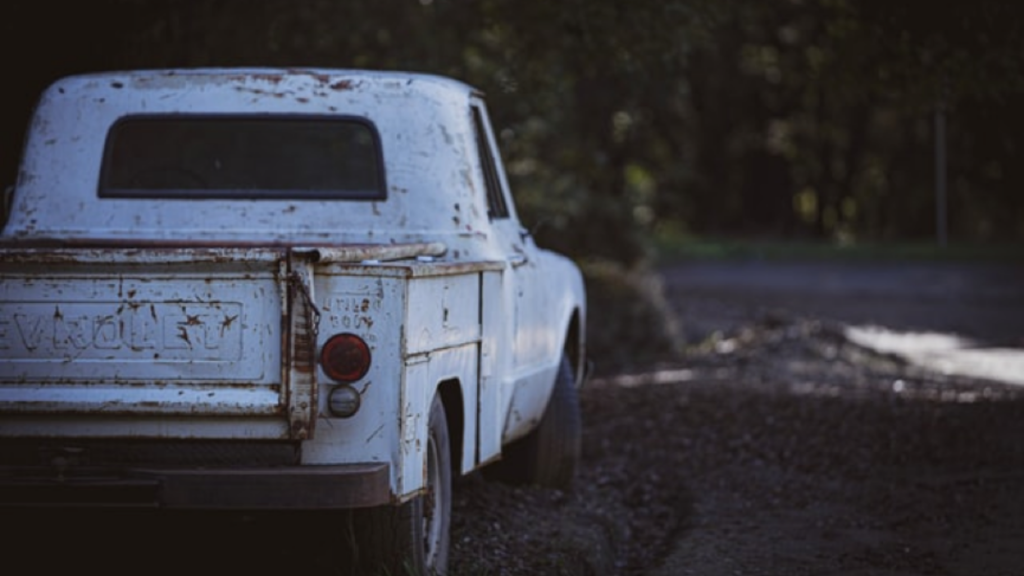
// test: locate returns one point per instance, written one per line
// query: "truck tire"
(412, 539)
(548, 456)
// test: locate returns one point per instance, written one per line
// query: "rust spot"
(192, 320)
(367, 321)
(131, 293)
(303, 100)
(272, 78)
(364, 306)
(228, 320)
(342, 85)
(183, 335)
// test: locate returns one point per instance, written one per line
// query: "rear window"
(245, 157)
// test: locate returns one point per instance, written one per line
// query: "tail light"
(345, 357)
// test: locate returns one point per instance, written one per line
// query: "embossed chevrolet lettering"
(39, 330)
(260, 289)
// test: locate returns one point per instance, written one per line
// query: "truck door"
(516, 245)
(527, 335)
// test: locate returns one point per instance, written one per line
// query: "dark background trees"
(789, 119)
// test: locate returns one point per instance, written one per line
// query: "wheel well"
(451, 396)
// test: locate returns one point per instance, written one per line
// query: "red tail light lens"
(345, 357)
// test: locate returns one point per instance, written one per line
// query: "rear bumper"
(277, 488)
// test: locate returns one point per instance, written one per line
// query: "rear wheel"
(412, 539)
(549, 454)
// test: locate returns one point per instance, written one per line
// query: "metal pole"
(940, 171)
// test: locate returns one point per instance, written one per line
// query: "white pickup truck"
(263, 289)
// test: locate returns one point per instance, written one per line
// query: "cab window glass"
(243, 157)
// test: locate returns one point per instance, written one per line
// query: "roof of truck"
(276, 80)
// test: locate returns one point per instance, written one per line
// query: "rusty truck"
(279, 289)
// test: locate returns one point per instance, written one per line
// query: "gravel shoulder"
(780, 446)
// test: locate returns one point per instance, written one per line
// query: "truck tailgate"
(145, 333)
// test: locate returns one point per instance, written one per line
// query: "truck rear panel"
(145, 335)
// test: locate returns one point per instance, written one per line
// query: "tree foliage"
(795, 118)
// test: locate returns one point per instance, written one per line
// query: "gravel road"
(779, 446)
(845, 460)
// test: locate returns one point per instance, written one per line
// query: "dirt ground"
(779, 446)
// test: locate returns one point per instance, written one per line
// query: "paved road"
(954, 317)
(981, 301)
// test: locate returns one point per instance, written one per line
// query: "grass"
(670, 247)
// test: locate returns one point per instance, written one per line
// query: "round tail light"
(345, 357)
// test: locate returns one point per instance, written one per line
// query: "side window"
(496, 206)
(5, 205)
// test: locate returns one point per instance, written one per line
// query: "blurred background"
(644, 131)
